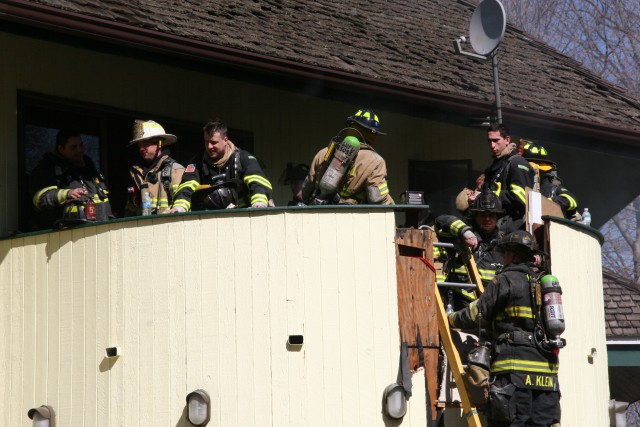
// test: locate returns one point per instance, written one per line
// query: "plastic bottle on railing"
(449, 307)
(146, 204)
(586, 217)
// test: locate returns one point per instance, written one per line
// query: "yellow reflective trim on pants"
(524, 366)
(249, 179)
(519, 193)
(384, 189)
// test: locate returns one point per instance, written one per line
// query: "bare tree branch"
(602, 34)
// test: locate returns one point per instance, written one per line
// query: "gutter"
(623, 341)
(71, 23)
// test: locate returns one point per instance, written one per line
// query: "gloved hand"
(477, 376)
(258, 205)
(470, 239)
(451, 318)
(177, 209)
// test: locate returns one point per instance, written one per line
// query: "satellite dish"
(487, 26)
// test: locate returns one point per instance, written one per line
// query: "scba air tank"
(343, 155)
(552, 305)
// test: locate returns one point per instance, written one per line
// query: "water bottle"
(586, 217)
(146, 204)
(449, 307)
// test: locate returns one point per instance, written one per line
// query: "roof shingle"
(622, 306)
(404, 42)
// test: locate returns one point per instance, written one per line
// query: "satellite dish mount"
(486, 31)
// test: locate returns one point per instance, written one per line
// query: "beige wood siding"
(204, 302)
(584, 381)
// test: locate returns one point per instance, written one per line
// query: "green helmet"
(367, 119)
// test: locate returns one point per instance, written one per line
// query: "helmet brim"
(540, 162)
(499, 212)
(167, 139)
(521, 249)
(352, 121)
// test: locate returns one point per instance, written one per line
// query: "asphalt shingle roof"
(621, 306)
(402, 42)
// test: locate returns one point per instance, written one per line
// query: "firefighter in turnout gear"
(507, 177)
(224, 176)
(523, 382)
(157, 173)
(361, 180)
(294, 176)
(481, 234)
(550, 185)
(66, 187)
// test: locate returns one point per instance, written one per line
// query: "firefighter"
(550, 185)
(481, 234)
(222, 177)
(523, 375)
(157, 173)
(508, 176)
(66, 187)
(364, 181)
(294, 176)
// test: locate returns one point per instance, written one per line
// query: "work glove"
(451, 318)
(258, 205)
(177, 209)
(470, 239)
(477, 376)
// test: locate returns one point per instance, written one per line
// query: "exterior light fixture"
(198, 408)
(43, 416)
(395, 401)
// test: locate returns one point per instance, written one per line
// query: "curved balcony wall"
(205, 301)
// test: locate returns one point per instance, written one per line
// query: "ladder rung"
(456, 285)
(444, 245)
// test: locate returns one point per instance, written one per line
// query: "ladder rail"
(470, 412)
(453, 356)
